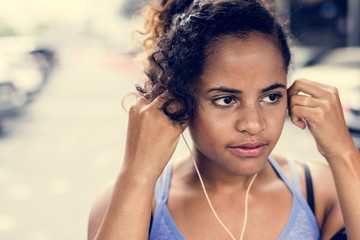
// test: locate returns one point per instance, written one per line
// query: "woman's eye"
(271, 98)
(224, 101)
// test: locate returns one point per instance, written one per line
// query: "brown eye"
(228, 100)
(272, 98)
(224, 101)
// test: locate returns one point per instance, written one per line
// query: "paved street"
(69, 141)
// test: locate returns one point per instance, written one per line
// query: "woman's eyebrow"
(224, 89)
(236, 91)
(272, 87)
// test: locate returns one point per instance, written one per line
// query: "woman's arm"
(128, 213)
(320, 110)
(346, 172)
(151, 141)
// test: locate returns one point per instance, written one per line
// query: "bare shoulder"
(98, 209)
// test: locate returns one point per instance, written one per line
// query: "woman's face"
(242, 103)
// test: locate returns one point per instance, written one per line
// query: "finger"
(298, 122)
(172, 105)
(157, 105)
(297, 117)
(311, 88)
(299, 100)
(302, 115)
(159, 101)
(140, 102)
(306, 101)
(146, 101)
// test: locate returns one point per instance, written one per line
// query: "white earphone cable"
(210, 204)
(246, 207)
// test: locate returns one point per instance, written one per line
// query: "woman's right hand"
(151, 138)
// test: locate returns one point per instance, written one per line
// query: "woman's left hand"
(320, 109)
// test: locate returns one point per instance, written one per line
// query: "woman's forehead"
(225, 45)
(231, 50)
(254, 60)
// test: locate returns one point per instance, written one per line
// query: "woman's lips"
(248, 149)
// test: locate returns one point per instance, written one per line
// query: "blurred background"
(65, 67)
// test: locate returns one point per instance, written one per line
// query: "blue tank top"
(301, 224)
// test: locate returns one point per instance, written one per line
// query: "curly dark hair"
(181, 34)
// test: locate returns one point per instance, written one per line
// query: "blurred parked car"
(11, 100)
(45, 59)
(340, 68)
(27, 65)
(23, 72)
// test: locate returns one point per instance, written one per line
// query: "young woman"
(218, 68)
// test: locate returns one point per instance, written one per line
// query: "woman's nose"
(250, 120)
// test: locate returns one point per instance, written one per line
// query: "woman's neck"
(218, 179)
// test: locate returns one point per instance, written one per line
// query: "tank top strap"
(294, 174)
(302, 222)
(163, 185)
(281, 174)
